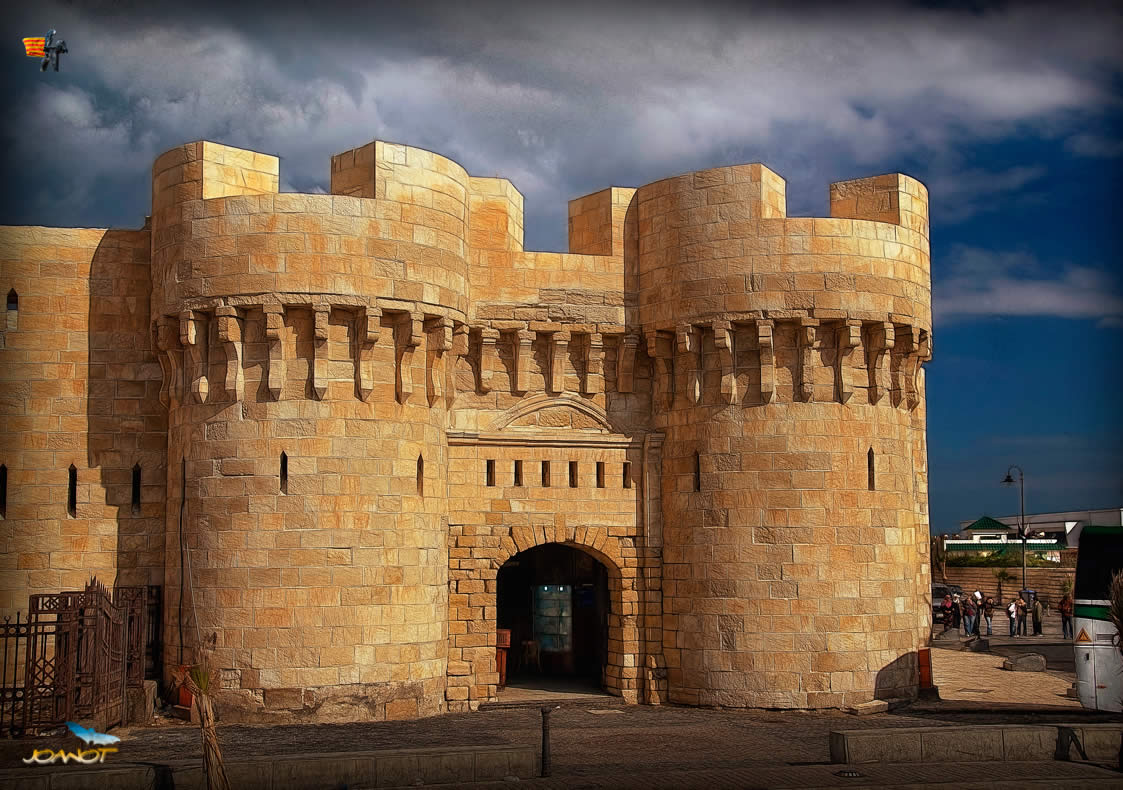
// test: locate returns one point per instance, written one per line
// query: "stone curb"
(387, 768)
(974, 743)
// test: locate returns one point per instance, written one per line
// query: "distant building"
(1048, 532)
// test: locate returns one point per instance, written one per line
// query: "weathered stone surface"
(1027, 662)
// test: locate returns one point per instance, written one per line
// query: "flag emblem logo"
(35, 47)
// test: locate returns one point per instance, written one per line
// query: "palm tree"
(940, 556)
(1001, 575)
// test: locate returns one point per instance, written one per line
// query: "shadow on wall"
(901, 678)
(127, 424)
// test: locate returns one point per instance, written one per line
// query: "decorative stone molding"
(191, 326)
(407, 338)
(321, 313)
(880, 346)
(724, 343)
(366, 334)
(689, 345)
(489, 357)
(560, 343)
(808, 342)
(524, 353)
(230, 334)
(660, 348)
(593, 381)
(849, 338)
(171, 360)
(626, 363)
(767, 360)
(274, 322)
(439, 341)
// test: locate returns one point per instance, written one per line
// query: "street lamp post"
(1009, 481)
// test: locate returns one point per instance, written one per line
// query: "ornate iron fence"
(74, 657)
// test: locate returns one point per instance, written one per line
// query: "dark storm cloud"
(561, 98)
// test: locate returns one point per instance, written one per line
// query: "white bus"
(1099, 664)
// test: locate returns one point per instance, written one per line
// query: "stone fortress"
(340, 414)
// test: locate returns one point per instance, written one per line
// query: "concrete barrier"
(972, 743)
(390, 768)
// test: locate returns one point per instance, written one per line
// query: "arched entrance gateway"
(553, 601)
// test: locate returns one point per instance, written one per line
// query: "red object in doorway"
(502, 643)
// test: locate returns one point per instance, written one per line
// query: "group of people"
(970, 612)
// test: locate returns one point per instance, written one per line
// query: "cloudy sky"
(1010, 113)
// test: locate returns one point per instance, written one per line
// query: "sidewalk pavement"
(963, 676)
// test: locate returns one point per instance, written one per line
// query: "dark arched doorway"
(554, 599)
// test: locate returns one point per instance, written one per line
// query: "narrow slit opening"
(518, 473)
(284, 473)
(3, 491)
(489, 472)
(871, 474)
(600, 474)
(420, 476)
(136, 490)
(573, 474)
(545, 474)
(627, 481)
(72, 492)
(697, 471)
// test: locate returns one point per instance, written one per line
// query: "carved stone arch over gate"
(552, 412)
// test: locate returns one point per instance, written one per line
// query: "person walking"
(956, 611)
(969, 616)
(1021, 606)
(1012, 611)
(978, 601)
(988, 613)
(1066, 616)
(1038, 615)
(945, 610)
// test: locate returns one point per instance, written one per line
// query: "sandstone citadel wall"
(367, 401)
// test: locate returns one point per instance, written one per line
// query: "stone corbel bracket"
(524, 353)
(560, 347)
(230, 334)
(439, 335)
(489, 357)
(321, 313)
(368, 327)
(807, 338)
(274, 324)
(726, 354)
(459, 351)
(849, 338)
(900, 365)
(923, 354)
(407, 338)
(593, 381)
(689, 343)
(660, 348)
(171, 360)
(764, 342)
(882, 338)
(191, 326)
(626, 363)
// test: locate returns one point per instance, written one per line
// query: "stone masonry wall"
(79, 386)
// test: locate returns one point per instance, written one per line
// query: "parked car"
(939, 590)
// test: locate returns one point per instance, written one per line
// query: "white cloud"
(978, 283)
(565, 101)
(1095, 146)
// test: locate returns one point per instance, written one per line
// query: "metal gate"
(74, 657)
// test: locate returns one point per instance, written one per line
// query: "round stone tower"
(303, 340)
(787, 357)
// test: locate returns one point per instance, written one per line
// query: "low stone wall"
(1047, 581)
(392, 768)
(982, 743)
